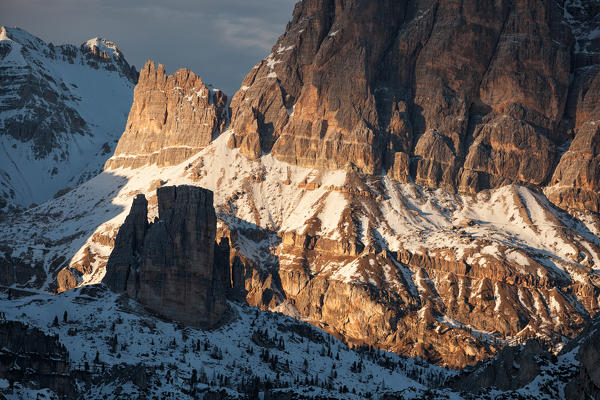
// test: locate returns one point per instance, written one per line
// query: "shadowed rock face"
(511, 369)
(36, 105)
(589, 375)
(172, 118)
(451, 94)
(62, 108)
(27, 354)
(168, 265)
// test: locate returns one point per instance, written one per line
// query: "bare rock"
(29, 356)
(168, 265)
(66, 280)
(172, 118)
(400, 169)
(449, 94)
(129, 241)
(511, 369)
(504, 151)
(576, 180)
(589, 355)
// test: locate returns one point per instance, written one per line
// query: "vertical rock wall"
(168, 265)
(454, 94)
(172, 118)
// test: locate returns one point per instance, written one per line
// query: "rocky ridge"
(29, 355)
(446, 94)
(62, 109)
(311, 228)
(451, 278)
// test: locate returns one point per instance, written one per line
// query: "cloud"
(248, 32)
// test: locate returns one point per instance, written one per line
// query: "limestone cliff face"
(427, 306)
(576, 180)
(172, 118)
(168, 265)
(449, 94)
(350, 263)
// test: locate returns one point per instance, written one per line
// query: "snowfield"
(291, 355)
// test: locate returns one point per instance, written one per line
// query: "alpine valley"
(401, 201)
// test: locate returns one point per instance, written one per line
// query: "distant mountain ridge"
(62, 108)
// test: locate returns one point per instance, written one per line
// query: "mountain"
(418, 177)
(170, 265)
(92, 343)
(172, 118)
(62, 109)
(446, 94)
(459, 276)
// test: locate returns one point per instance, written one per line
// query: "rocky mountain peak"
(98, 50)
(444, 94)
(20, 36)
(106, 46)
(172, 117)
(62, 107)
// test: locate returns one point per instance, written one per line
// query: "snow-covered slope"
(62, 110)
(253, 348)
(116, 349)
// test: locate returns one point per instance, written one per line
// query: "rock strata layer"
(172, 118)
(168, 265)
(448, 94)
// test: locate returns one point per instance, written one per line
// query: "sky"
(220, 40)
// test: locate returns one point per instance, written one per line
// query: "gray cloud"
(219, 40)
(243, 32)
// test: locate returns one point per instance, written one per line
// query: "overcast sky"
(220, 40)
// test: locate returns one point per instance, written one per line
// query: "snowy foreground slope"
(254, 346)
(115, 348)
(62, 110)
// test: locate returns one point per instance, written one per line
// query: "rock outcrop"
(576, 180)
(168, 265)
(40, 361)
(513, 368)
(172, 118)
(586, 383)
